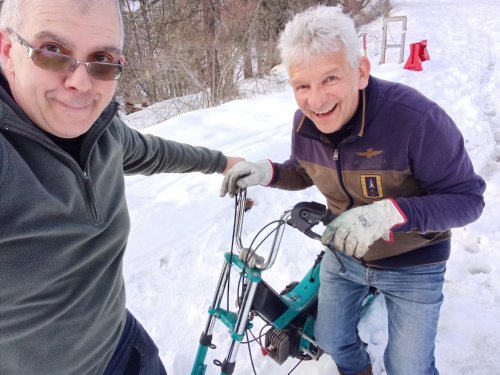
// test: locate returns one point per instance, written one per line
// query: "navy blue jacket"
(401, 146)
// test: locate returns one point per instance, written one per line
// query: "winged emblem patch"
(369, 153)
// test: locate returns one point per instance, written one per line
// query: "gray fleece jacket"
(63, 232)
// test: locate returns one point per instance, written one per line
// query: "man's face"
(327, 89)
(65, 104)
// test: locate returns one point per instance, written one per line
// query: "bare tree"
(205, 49)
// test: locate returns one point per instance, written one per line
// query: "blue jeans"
(136, 353)
(413, 297)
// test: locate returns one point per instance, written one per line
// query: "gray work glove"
(354, 231)
(245, 174)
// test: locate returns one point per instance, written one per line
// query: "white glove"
(355, 230)
(245, 174)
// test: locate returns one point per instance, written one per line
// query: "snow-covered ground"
(181, 227)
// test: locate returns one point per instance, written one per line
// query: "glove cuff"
(266, 172)
(394, 216)
(397, 217)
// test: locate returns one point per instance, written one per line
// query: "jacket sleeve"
(439, 160)
(148, 154)
(289, 175)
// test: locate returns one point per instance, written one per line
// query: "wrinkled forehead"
(83, 22)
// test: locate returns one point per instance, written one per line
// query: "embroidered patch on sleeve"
(371, 184)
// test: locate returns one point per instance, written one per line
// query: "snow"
(181, 227)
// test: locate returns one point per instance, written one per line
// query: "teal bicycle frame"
(290, 314)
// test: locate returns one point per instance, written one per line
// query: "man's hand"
(245, 174)
(354, 231)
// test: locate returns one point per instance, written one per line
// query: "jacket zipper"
(89, 189)
(336, 154)
(336, 158)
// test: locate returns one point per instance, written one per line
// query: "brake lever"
(305, 215)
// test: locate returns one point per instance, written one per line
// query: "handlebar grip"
(328, 217)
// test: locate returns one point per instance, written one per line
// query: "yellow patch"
(371, 184)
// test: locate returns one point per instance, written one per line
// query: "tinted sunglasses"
(57, 62)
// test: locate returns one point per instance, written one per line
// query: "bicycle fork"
(237, 323)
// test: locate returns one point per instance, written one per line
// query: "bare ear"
(5, 50)
(364, 72)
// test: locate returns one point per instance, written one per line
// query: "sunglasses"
(57, 62)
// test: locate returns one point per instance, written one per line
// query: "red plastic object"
(424, 54)
(418, 53)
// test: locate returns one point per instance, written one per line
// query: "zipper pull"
(336, 154)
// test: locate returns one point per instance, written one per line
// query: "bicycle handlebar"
(303, 216)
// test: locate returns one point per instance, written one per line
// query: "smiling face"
(65, 104)
(327, 88)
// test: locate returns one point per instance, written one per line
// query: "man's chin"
(326, 128)
(70, 129)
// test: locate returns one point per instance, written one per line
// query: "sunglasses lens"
(62, 63)
(52, 61)
(105, 72)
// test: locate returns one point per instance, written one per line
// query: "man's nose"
(79, 79)
(317, 98)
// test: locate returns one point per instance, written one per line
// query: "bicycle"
(289, 314)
